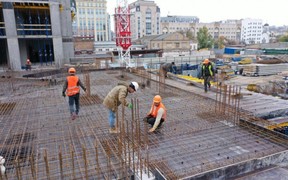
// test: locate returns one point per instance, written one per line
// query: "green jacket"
(117, 96)
(207, 70)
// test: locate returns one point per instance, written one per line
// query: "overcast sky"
(273, 12)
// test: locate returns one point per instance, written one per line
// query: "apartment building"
(172, 24)
(145, 18)
(252, 30)
(230, 29)
(39, 30)
(92, 20)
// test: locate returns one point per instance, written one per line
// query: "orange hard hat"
(157, 99)
(206, 61)
(71, 71)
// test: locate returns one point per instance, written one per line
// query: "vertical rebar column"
(32, 166)
(97, 160)
(87, 83)
(132, 138)
(123, 134)
(108, 154)
(161, 81)
(85, 161)
(229, 100)
(18, 169)
(120, 150)
(224, 101)
(72, 159)
(139, 139)
(217, 99)
(46, 164)
(238, 106)
(60, 162)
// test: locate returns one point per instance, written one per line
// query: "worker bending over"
(157, 114)
(116, 97)
(72, 90)
(167, 67)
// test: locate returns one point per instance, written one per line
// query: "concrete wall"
(56, 34)
(66, 30)
(14, 61)
(23, 52)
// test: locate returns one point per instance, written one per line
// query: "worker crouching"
(157, 114)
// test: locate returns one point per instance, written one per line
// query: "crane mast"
(123, 32)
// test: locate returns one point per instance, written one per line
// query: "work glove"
(63, 94)
(130, 105)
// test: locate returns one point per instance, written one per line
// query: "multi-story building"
(145, 19)
(172, 24)
(38, 30)
(252, 30)
(91, 20)
(230, 29)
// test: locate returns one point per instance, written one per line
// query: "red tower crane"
(123, 32)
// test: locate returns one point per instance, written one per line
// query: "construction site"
(226, 133)
(214, 135)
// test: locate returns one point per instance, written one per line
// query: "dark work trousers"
(151, 120)
(74, 100)
(207, 83)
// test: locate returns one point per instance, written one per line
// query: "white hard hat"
(2, 160)
(136, 86)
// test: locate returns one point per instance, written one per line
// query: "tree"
(220, 42)
(205, 39)
(188, 34)
(283, 38)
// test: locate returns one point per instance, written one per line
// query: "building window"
(177, 45)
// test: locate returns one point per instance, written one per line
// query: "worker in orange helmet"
(28, 64)
(157, 114)
(72, 90)
(207, 72)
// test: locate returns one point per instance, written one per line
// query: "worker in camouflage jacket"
(116, 97)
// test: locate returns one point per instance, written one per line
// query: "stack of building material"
(264, 69)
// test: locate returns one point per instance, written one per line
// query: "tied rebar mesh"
(39, 141)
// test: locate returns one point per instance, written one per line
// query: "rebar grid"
(39, 141)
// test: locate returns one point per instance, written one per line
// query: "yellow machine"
(281, 128)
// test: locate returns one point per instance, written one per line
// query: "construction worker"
(28, 64)
(157, 114)
(116, 97)
(167, 67)
(207, 73)
(72, 90)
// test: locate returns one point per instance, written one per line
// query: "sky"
(273, 12)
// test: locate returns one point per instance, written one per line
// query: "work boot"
(113, 130)
(73, 116)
